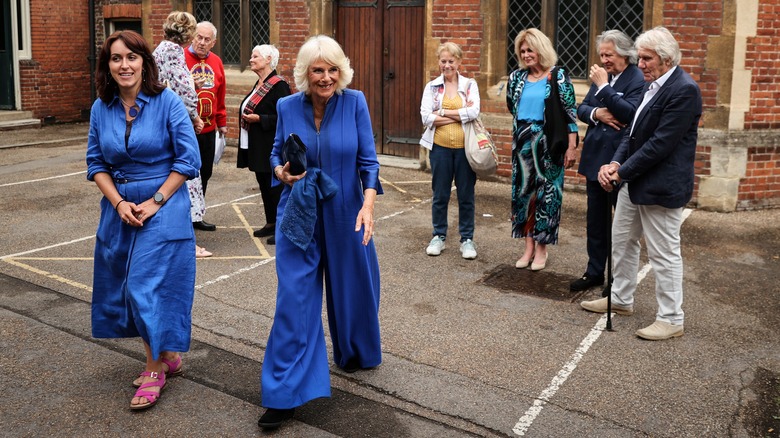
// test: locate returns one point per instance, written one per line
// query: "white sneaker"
(436, 246)
(468, 250)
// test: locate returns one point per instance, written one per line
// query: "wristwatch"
(159, 198)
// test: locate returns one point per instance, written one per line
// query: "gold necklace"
(537, 77)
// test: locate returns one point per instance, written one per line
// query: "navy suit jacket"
(601, 140)
(657, 157)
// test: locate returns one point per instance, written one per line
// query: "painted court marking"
(541, 400)
(42, 179)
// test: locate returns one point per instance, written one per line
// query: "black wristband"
(117, 204)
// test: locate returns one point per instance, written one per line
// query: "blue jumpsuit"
(295, 368)
(144, 277)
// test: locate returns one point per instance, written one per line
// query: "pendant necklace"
(132, 111)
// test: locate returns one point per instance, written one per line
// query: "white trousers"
(661, 229)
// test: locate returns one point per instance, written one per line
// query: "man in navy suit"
(655, 164)
(608, 108)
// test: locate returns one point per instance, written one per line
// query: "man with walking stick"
(655, 164)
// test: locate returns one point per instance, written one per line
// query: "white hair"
(325, 48)
(662, 42)
(209, 24)
(623, 44)
(267, 50)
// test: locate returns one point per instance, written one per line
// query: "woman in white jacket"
(448, 102)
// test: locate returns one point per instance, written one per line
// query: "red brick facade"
(56, 81)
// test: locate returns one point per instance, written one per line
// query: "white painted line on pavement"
(46, 247)
(530, 415)
(42, 179)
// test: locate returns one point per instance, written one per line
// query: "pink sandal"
(151, 397)
(175, 368)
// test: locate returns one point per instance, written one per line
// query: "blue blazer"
(601, 141)
(657, 157)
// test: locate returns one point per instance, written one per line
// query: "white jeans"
(661, 229)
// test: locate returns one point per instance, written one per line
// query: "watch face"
(158, 197)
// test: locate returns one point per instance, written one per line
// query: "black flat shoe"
(273, 418)
(267, 230)
(271, 240)
(351, 366)
(204, 226)
(586, 282)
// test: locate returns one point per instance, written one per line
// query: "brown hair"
(106, 85)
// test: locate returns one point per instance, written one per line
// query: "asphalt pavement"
(471, 347)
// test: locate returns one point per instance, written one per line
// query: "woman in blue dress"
(537, 175)
(141, 150)
(334, 123)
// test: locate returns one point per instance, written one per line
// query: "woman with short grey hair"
(257, 120)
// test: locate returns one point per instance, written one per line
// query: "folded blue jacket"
(300, 212)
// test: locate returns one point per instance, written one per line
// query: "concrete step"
(8, 125)
(7, 116)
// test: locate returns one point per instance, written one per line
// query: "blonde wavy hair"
(325, 48)
(540, 44)
(179, 27)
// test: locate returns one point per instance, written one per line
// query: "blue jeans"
(448, 164)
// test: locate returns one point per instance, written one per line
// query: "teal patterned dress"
(537, 177)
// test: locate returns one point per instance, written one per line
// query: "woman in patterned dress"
(537, 175)
(179, 29)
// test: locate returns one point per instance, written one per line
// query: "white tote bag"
(480, 150)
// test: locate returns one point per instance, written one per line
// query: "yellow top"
(450, 136)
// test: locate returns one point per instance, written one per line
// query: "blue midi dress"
(295, 369)
(144, 277)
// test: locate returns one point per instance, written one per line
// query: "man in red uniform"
(209, 75)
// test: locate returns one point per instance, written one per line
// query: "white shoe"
(468, 250)
(436, 246)
(660, 330)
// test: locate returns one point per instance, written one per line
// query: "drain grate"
(542, 284)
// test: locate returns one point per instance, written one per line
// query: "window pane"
(522, 15)
(202, 10)
(625, 15)
(259, 22)
(231, 32)
(573, 37)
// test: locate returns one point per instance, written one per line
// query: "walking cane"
(607, 292)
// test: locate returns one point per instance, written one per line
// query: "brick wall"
(52, 83)
(293, 18)
(760, 188)
(763, 61)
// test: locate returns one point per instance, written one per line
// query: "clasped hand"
(607, 174)
(136, 214)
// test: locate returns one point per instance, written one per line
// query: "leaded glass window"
(522, 15)
(230, 34)
(573, 26)
(625, 15)
(572, 36)
(259, 22)
(202, 10)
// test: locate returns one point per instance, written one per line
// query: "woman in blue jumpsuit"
(334, 123)
(141, 150)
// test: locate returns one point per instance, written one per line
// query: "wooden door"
(7, 89)
(384, 41)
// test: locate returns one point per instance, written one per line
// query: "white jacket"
(431, 103)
